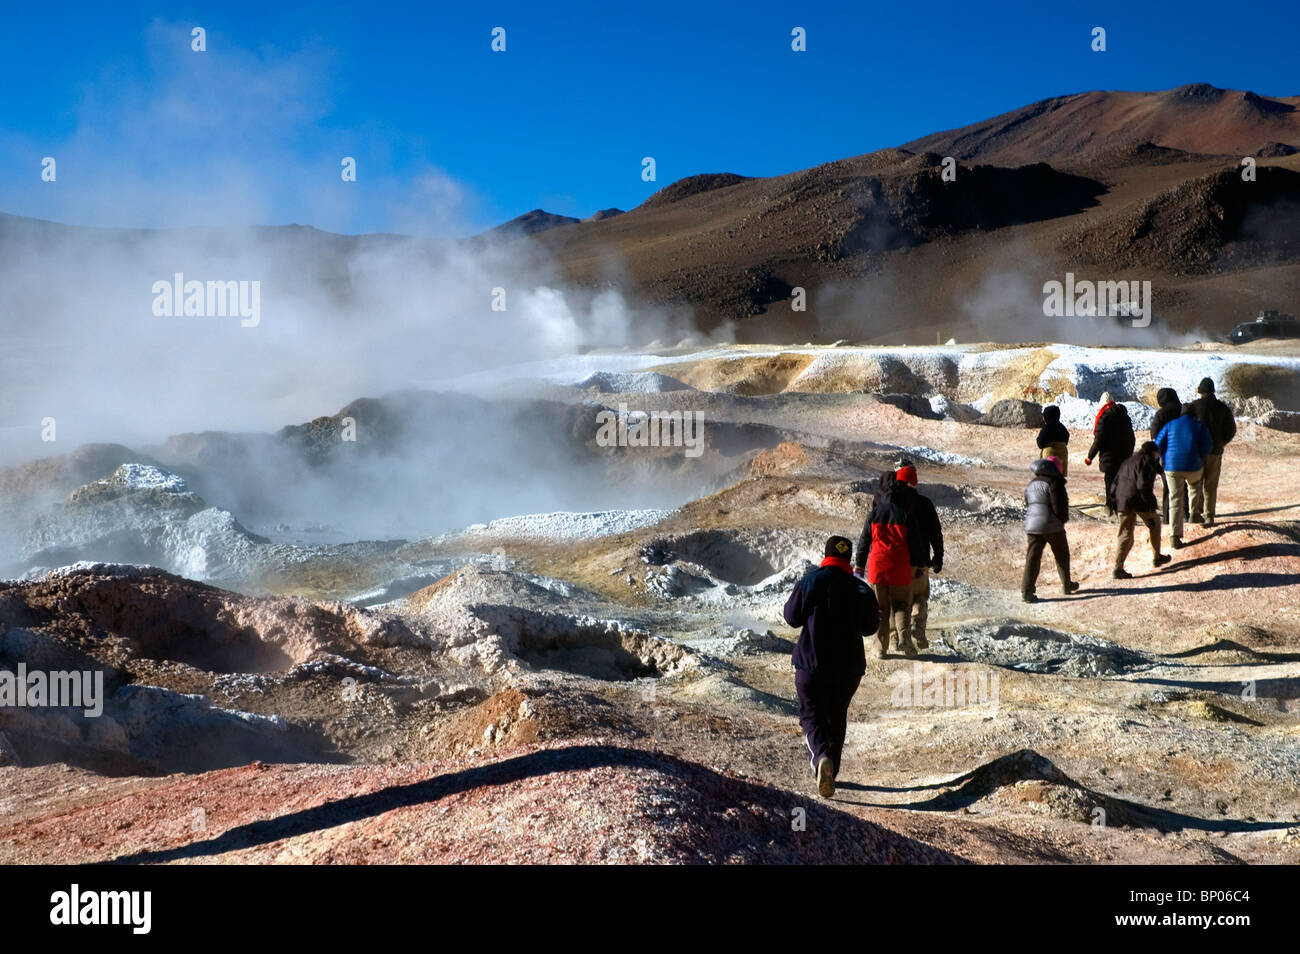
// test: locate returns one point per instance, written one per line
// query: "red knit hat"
(907, 475)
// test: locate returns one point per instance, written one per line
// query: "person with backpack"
(1054, 438)
(892, 542)
(1047, 510)
(1112, 446)
(1184, 443)
(1222, 425)
(1135, 498)
(834, 611)
(932, 537)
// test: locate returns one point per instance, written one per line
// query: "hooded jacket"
(893, 539)
(1169, 409)
(834, 611)
(1047, 505)
(887, 481)
(1052, 431)
(1218, 417)
(1184, 442)
(1135, 483)
(1114, 442)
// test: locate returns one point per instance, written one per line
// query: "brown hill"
(1132, 186)
(1194, 118)
(530, 223)
(1108, 185)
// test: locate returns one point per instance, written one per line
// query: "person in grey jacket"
(1047, 510)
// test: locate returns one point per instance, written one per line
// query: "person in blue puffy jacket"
(1184, 444)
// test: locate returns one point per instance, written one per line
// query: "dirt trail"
(630, 697)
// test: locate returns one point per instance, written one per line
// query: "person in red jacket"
(893, 541)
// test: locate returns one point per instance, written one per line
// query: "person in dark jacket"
(1054, 438)
(1135, 497)
(932, 536)
(1222, 424)
(1168, 407)
(892, 542)
(1047, 510)
(1107, 403)
(1183, 443)
(835, 611)
(1112, 446)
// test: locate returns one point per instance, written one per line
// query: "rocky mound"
(833, 372)
(147, 730)
(1213, 220)
(27, 485)
(132, 627)
(742, 557)
(116, 614)
(914, 405)
(509, 627)
(743, 375)
(637, 382)
(1288, 421)
(586, 802)
(1033, 648)
(143, 514)
(1010, 412)
(1278, 384)
(1026, 781)
(1276, 150)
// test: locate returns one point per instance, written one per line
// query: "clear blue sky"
(450, 137)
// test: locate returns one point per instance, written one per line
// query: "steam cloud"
(342, 316)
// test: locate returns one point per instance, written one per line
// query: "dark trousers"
(824, 712)
(1034, 559)
(1109, 477)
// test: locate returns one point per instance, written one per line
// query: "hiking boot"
(1177, 543)
(1161, 559)
(1028, 598)
(1121, 574)
(825, 777)
(908, 649)
(921, 641)
(1197, 518)
(1209, 522)
(1071, 587)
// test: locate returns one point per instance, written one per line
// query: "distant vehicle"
(1269, 324)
